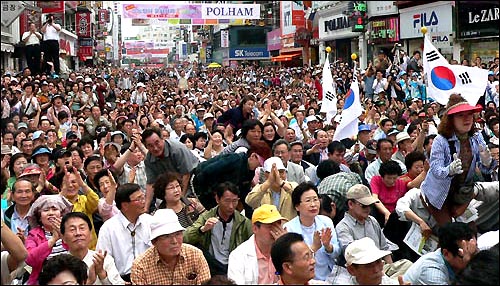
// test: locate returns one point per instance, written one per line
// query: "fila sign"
(424, 20)
(437, 19)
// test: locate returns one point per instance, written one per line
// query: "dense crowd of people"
(196, 175)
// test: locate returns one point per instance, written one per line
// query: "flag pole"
(424, 32)
(355, 72)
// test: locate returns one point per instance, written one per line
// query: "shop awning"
(8, 48)
(285, 58)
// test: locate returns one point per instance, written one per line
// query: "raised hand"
(131, 174)
(277, 231)
(98, 263)
(78, 177)
(20, 234)
(209, 224)
(485, 155)
(316, 241)
(112, 179)
(455, 167)
(326, 236)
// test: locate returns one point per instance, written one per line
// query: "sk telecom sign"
(192, 11)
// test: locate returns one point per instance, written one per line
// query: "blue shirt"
(324, 260)
(437, 182)
(430, 269)
(17, 221)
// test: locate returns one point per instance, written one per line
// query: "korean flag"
(329, 105)
(348, 126)
(444, 79)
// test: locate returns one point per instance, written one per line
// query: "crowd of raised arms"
(194, 175)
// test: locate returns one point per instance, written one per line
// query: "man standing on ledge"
(50, 45)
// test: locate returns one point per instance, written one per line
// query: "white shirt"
(113, 277)
(33, 39)
(51, 33)
(379, 86)
(138, 98)
(117, 240)
(29, 108)
(175, 137)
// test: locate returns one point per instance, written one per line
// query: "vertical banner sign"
(224, 39)
(287, 26)
(208, 53)
(82, 24)
(103, 16)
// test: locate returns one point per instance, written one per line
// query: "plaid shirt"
(191, 269)
(336, 186)
(140, 175)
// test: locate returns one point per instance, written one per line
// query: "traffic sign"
(10, 11)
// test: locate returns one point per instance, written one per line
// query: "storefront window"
(487, 49)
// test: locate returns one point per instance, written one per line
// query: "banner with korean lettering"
(191, 11)
(384, 30)
(82, 23)
(103, 16)
(51, 6)
(444, 79)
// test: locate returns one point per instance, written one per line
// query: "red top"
(388, 196)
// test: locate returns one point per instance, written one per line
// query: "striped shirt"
(57, 248)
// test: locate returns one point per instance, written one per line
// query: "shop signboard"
(273, 40)
(478, 19)
(248, 53)
(224, 39)
(384, 30)
(335, 27)
(437, 17)
(381, 8)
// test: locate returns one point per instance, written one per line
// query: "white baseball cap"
(268, 164)
(363, 251)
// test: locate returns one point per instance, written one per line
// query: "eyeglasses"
(277, 153)
(139, 199)
(173, 187)
(311, 200)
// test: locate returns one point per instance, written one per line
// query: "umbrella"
(214, 65)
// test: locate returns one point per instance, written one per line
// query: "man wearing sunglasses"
(358, 223)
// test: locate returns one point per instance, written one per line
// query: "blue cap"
(364, 127)
(40, 151)
(491, 73)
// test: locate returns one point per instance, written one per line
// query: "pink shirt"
(105, 210)
(267, 272)
(388, 196)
